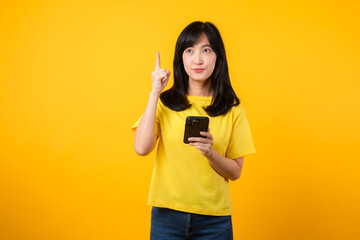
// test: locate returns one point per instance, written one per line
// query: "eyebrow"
(205, 45)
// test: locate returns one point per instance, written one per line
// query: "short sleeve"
(241, 142)
(157, 122)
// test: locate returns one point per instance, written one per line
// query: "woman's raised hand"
(160, 76)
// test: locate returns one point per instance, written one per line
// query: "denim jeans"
(168, 224)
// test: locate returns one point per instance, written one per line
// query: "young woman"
(189, 189)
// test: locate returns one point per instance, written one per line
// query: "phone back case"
(194, 125)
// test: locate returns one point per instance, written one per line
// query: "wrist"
(210, 155)
(155, 94)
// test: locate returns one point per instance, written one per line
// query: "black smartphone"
(194, 125)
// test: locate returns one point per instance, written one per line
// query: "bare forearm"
(145, 137)
(226, 167)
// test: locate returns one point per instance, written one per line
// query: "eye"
(188, 50)
(207, 50)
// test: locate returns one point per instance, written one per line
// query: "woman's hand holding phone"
(203, 144)
(160, 76)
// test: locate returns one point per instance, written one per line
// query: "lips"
(198, 70)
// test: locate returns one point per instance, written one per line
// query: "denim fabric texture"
(168, 224)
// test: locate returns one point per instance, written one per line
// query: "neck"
(201, 89)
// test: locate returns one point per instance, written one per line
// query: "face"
(199, 60)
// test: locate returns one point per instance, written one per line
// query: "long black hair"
(224, 97)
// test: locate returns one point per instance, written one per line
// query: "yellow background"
(75, 75)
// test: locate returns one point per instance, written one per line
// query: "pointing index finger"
(157, 63)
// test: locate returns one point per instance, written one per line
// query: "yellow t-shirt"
(183, 178)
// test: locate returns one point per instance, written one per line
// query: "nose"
(198, 58)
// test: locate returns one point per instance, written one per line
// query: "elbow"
(141, 151)
(235, 176)
(143, 148)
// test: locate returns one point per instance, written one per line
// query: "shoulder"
(237, 113)
(237, 110)
(160, 104)
(161, 108)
